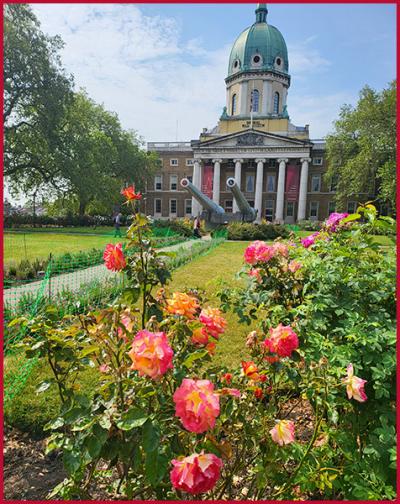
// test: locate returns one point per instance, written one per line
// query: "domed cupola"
(259, 47)
(258, 73)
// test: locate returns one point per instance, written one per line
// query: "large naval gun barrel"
(247, 211)
(204, 200)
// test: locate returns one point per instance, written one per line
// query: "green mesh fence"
(73, 287)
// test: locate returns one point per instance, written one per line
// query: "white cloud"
(318, 111)
(305, 59)
(140, 67)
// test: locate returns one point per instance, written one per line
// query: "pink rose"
(258, 251)
(294, 266)
(309, 240)
(197, 473)
(197, 405)
(354, 385)
(282, 341)
(213, 321)
(283, 432)
(333, 221)
(151, 354)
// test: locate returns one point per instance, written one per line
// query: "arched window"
(255, 100)
(276, 103)
(234, 104)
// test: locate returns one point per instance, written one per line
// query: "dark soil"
(28, 472)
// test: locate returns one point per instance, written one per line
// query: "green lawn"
(30, 411)
(19, 246)
(98, 230)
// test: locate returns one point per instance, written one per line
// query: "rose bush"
(163, 424)
(340, 300)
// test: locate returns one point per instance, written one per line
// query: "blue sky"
(159, 65)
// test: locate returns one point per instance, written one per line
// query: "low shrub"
(249, 231)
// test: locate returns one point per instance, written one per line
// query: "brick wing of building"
(275, 164)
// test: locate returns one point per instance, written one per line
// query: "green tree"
(97, 156)
(36, 92)
(361, 151)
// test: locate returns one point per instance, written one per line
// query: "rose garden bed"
(307, 414)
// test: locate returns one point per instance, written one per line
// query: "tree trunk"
(82, 208)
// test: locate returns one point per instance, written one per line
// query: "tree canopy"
(361, 152)
(58, 141)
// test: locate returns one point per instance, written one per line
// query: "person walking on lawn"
(117, 224)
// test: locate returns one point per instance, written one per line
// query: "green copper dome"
(259, 47)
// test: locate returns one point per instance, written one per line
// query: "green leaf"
(130, 296)
(350, 218)
(132, 419)
(72, 461)
(54, 424)
(156, 467)
(192, 357)
(89, 350)
(150, 436)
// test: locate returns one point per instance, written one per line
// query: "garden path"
(74, 280)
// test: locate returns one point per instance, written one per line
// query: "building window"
(251, 203)
(172, 206)
(158, 182)
(314, 210)
(189, 162)
(173, 162)
(190, 178)
(331, 207)
(278, 62)
(269, 210)
(351, 207)
(290, 209)
(173, 182)
(333, 183)
(316, 183)
(255, 100)
(276, 103)
(256, 59)
(188, 206)
(233, 104)
(228, 206)
(272, 163)
(250, 183)
(317, 161)
(157, 206)
(270, 183)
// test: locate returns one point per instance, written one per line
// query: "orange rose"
(183, 304)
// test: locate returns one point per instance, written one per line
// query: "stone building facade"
(278, 168)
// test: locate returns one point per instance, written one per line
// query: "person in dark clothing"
(196, 227)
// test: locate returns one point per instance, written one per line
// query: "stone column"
(238, 178)
(280, 195)
(216, 180)
(196, 180)
(265, 97)
(243, 98)
(259, 188)
(301, 212)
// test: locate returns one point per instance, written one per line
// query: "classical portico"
(248, 156)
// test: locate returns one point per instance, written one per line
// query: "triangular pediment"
(252, 138)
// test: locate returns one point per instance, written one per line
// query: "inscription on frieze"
(250, 139)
